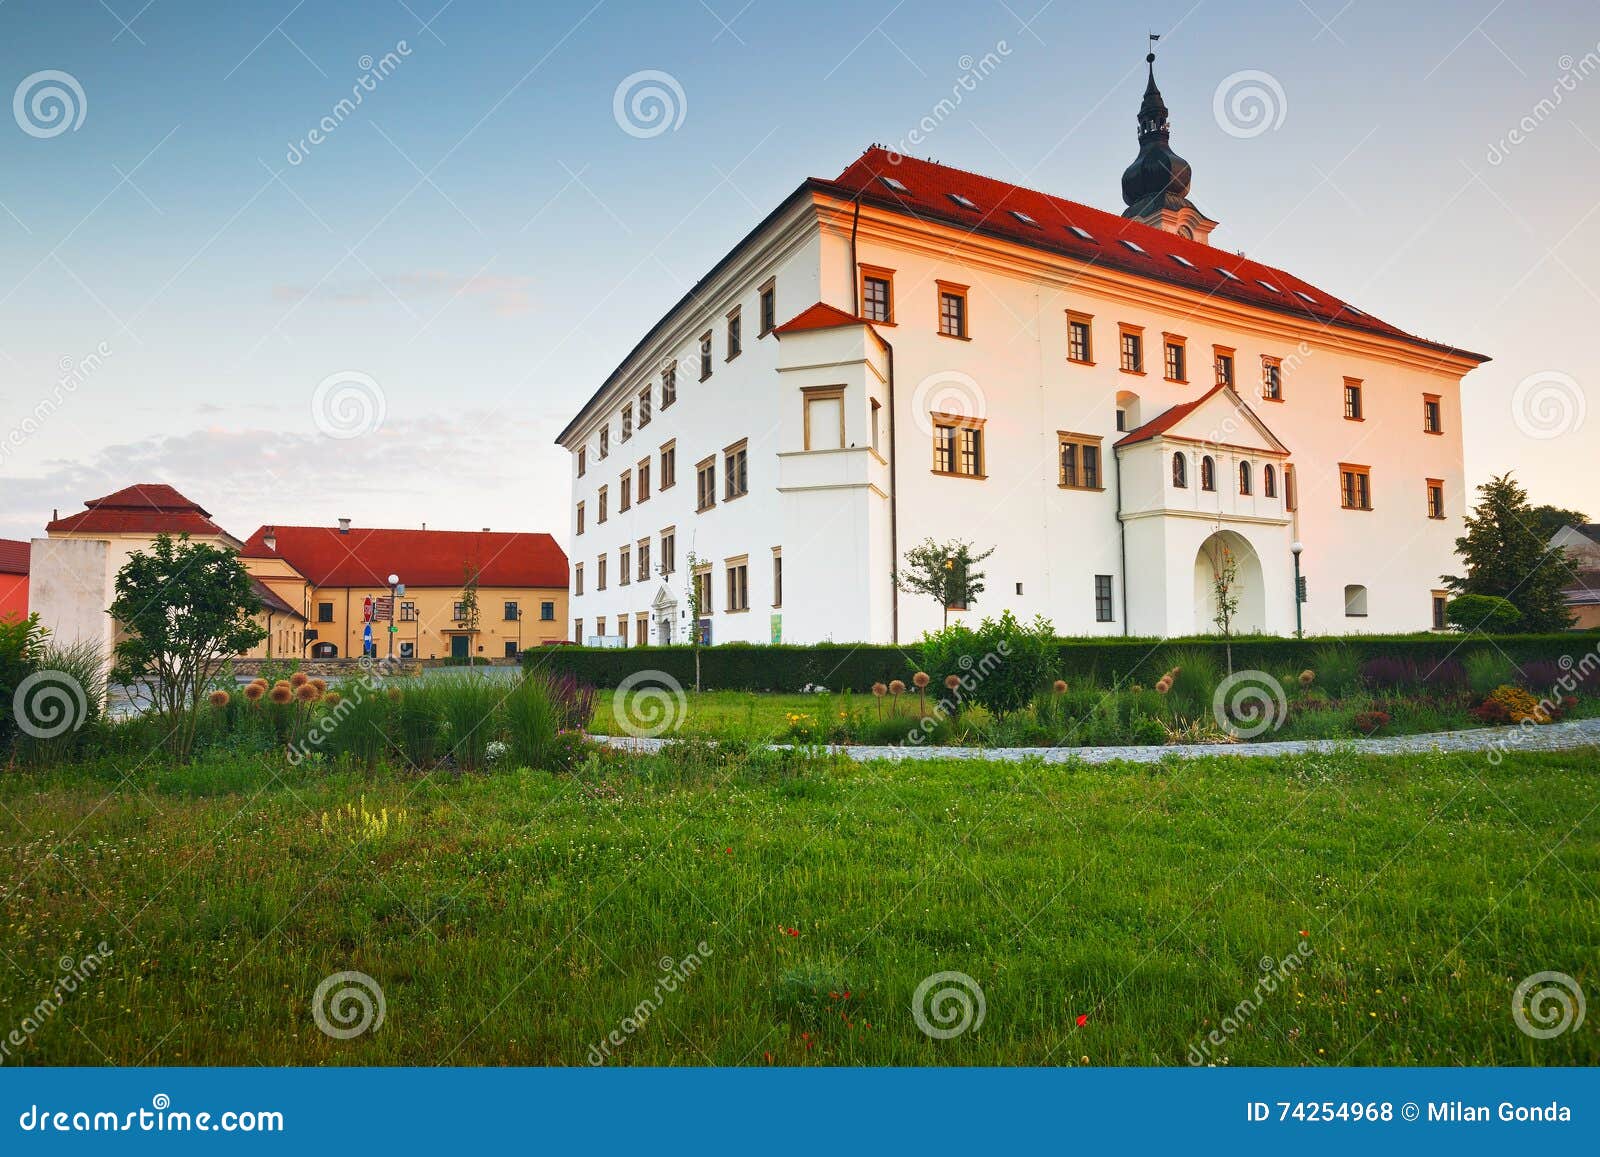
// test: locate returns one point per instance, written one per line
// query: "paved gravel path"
(1550, 737)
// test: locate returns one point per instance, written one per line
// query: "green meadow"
(710, 905)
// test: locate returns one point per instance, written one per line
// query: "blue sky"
(482, 240)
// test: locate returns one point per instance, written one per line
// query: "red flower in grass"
(1083, 1019)
(792, 931)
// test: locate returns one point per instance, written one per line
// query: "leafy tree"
(691, 598)
(945, 571)
(1549, 519)
(469, 607)
(1506, 556)
(1482, 613)
(1224, 588)
(185, 609)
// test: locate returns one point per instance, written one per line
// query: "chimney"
(55, 514)
(270, 539)
(344, 526)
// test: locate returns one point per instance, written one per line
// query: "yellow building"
(75, 566)
(328, 574)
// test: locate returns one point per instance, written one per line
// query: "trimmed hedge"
(747, 667)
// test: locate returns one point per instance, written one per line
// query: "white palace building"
(909, 351)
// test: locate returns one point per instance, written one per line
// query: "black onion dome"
(1158, 178)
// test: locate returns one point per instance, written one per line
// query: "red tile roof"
(14, 556)
(818, 316)
(144, 508)
(422, 558)
(1167, 419)
(927, 195)
(271, 600)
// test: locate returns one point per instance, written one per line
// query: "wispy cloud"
(467, 469)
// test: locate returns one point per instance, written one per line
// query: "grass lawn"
(520, 917)
(769, 717)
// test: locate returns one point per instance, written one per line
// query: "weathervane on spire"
(1150, 58)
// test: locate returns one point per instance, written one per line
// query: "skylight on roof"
(1084, 233)
(962, 201)
(1306, 297)
(1354, 310)
(894, 184)
(1226, 273)
(1134, 245)
(1024, 218)
(1182, 260)
(1268, 285)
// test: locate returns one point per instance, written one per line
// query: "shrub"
(748, 667)
(1446, 673)
(1487, 669)
(68, 695)
(1488, 613)
(1390, 671)
(418, 720)
(1367, 722)
(1194, 674)
(1518, 705)
(1338, 669)
(532, 720)
(1001, 665)
(357, 726)
(467, 704)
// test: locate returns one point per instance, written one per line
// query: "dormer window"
(1083, 233)
(894, 184)
(1133, 245)
(962, 201)
(1024, 218)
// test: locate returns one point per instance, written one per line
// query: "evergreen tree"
(1507, 555)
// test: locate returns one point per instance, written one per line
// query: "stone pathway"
(1550, 737)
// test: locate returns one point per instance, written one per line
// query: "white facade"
(841, 514)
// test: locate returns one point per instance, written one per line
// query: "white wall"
(739, 400)
(1014, 373)
(70, 587)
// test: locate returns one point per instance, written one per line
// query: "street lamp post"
(394, 586)
(1299, 588)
